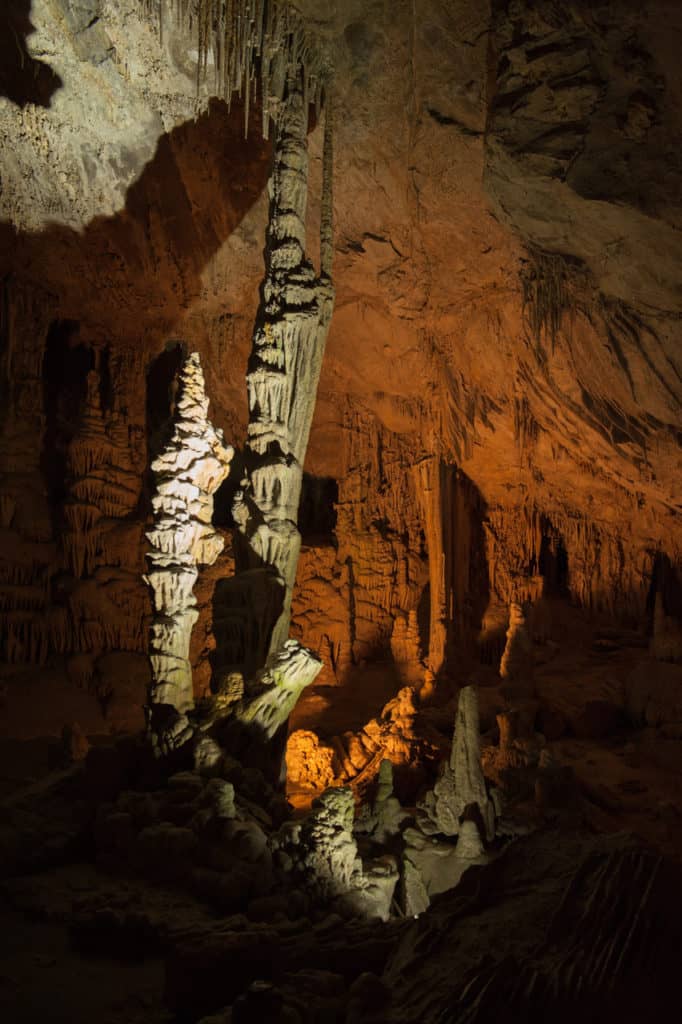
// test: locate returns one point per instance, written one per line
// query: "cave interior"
(341, 556)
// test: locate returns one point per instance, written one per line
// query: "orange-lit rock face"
(497, 423)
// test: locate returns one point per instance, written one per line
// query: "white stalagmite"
(461, 785)
(187, 474)
(286, 358)
(252, 42)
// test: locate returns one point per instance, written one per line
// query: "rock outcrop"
(187, 473)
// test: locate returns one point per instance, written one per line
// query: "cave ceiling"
(507, 211)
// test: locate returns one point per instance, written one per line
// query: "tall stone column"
(188, 472)
(286, 358)
(428, 477)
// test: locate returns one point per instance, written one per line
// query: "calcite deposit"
(187, 473)
(284, 368)
(419, 633)
(461, 788)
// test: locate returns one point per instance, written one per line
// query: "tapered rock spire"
(187, 474)
(461, 786)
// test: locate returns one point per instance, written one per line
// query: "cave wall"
(498, 412)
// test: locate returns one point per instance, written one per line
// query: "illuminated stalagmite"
(284, 369)
(461, 786)
(187, 473)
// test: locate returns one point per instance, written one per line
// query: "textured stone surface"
(187, 473)
(498, 407)
(461, 788)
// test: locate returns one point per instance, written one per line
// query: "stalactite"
(548, 293)
(247, 41)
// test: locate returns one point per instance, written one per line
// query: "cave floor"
(43, 978)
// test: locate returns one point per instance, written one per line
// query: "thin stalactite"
(248, 41)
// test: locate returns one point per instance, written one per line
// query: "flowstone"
(187, 474)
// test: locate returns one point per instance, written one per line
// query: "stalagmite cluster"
(187, 474)
(321, 852)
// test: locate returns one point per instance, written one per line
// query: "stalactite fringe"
(248, 40)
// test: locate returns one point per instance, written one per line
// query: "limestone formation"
(516, 666)
(405, 648)
(278, 688)
(381, 820)
(579, 484)
(431, 866)
(286, 359)
(461, 786)
(356, 758)
(320, 853)
(249, 44)
(311, 764)
(187, 473)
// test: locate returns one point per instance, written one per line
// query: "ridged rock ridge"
(286, 359)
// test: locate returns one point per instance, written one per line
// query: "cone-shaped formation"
(461, 785)
(250, 41)
(187, 473)
(284, 369)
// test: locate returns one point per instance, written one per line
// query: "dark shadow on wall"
(162, 382)
(23, 80)
(666, 581)
(466, 565)
(66, 365)
(132, 276)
